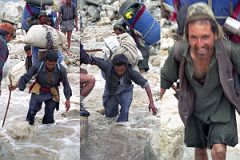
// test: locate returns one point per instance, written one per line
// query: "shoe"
(83, 111)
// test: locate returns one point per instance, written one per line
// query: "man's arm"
(101, 63)
(76, 23)
(66, 87)
(21, 84)
(58, 18)
(137, 78)
(151, 102)
(75, 17)
(169, 72)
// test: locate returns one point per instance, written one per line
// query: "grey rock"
(93, 12)
(95, 2)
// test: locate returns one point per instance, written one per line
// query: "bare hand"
(153, 108)
(12, 87)
(67, 105)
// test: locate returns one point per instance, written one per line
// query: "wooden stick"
(92, 50)
(9, 97)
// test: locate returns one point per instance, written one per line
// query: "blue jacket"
(57, 76)
(112, 84)
(84, 57)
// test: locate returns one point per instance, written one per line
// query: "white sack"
(36, 36)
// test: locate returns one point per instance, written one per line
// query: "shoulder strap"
(179, 48)
(29, 9)
(59, 66)
(40, 67)
(226, 49)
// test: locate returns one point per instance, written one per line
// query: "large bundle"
(16, 72)
(36, 36)
(40, 2)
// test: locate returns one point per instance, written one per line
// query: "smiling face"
(201, 38)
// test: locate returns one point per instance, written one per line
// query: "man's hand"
(153, 108)
(67, 105)
(12, 87)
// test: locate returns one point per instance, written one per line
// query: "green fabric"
(199, 134)
(210, 99)
(211, 105)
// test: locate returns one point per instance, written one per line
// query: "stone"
(93, 12)
(95, 2)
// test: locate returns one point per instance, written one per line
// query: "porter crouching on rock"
(48, 74)
(119, 88)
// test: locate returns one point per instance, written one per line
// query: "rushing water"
(19, 140)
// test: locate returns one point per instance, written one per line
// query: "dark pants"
(111, 102)
(36, 104)
(199, 134)
(143, 64)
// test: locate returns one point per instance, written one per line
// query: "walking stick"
(9, 97)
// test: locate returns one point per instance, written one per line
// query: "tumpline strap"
(29, 9)
(139, 14)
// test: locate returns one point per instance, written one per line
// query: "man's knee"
(200, 151)
(83, 71)
(219, 150)
(92, 80)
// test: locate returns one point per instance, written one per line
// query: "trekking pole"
(9, 97)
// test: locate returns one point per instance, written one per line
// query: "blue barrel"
(169, 2)
(75, 2)
(169, 5)
(35, 10)
(221, 8)
(143, 21)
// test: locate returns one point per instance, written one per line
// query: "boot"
(83, 111)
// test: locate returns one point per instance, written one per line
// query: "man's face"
(120, 70)
(201, 39)
(43, 20)
(50, 66)
(117, 31)
(68, 2)
(29, 53)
